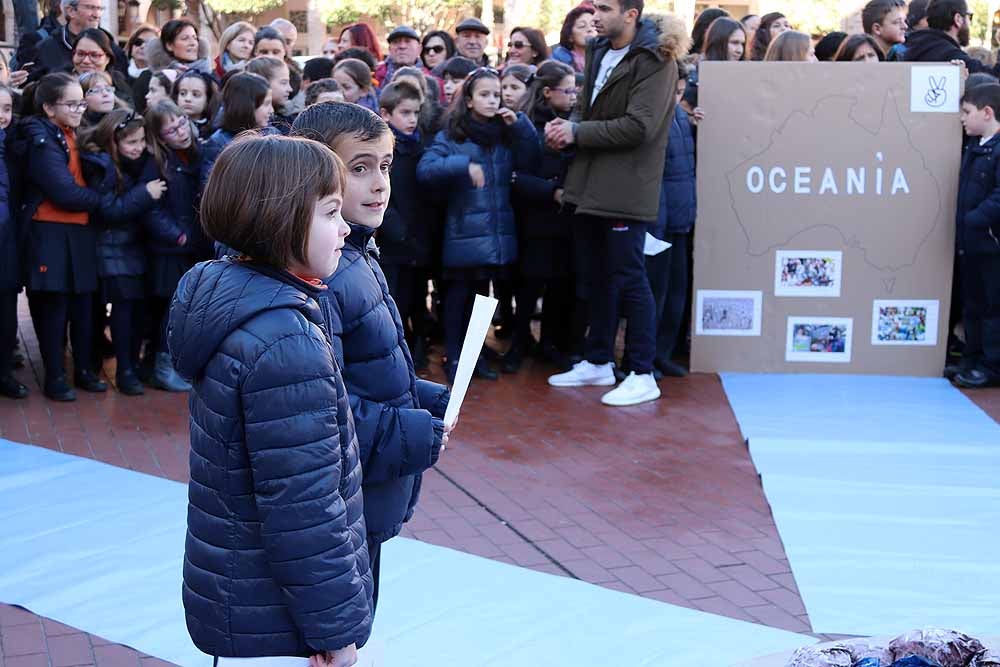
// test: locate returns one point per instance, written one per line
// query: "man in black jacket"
(55, 52)
(946, 35)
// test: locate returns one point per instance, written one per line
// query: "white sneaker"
(585, 374)
(633, 390)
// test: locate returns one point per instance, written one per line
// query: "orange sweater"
(49, 212)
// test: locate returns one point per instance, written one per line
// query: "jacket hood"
(215, 298)
(159, 60)
(664, 35)
(927, 41)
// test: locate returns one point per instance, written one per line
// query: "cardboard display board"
(826, 208)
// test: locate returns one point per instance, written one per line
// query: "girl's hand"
(18, 77)
(477, 175)
(182, 239)
(345, 657)
(156, 188)
(509, 117)
(698, 114)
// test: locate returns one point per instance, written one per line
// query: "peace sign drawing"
(934, 88)
(936, 95)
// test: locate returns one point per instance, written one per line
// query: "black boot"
(58, 389)
(483, 370)
(11, 388)
(513, 359)
(89, 381)
(128, 383)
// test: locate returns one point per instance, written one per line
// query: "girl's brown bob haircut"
(261, 192)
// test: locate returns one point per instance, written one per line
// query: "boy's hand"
(509, 117)
(448, 428)
(698, 115)
(477, 175)
(963, 70)
(344, 657)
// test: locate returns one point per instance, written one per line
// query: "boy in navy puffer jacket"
(397, 415)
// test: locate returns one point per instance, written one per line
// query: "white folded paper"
(655, 246)
(475, 337)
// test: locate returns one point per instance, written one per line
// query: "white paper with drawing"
(935, 89)
(475, 337)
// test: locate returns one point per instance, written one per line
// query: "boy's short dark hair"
(986, 95)
(265, 66)
(941, 13)
(328, 122)
(317, 68)
(396, 93)
(458, 68)
(261, 192)
(356, 52)
(916, 12)
(977, 79)
(876, 11)
(317, 88)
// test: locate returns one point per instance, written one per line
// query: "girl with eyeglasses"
(99, 93)
(114, 153)
(61, 245)
(473, 160)
(174, 240)
(545, 241)
(577, 30)
(10, 273)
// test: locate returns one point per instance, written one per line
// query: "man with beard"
(947, 33)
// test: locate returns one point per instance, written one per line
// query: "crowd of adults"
(602, 101)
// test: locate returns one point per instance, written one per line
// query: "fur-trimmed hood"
(665, 35)
(158, 59)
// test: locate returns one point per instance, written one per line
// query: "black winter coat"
(406, 237)
(479, 227)
(120, 250)
(978, 217)
(10, 276)
(176, 212)
(937, 46)
(275, 561)
(55, 54)
(58, 257)
(396, 414)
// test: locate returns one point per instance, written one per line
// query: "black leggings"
(459, 296)
(557, 312)
(125, 320)
(8, 331)
(50, 313)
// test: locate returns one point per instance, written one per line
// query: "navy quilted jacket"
(10, 278)
(394, 411)
(176, 212)
(119, 242)
(275, 562)
(978, 216)
(479, 227)
(678, 196)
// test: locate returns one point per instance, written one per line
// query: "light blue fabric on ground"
(886, 494)
(100, 548)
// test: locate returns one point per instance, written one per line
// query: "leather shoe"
(128, 383)
(671, 369)
(88, 381)
(11, 388)
(59, 390)
(976, 379)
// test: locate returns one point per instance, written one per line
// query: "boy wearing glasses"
(947, 33)
(885, 20)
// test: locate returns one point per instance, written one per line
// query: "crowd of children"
(105, 163)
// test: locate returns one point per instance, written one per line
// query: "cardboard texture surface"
(823, 157)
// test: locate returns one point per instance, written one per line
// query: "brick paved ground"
(659, 500)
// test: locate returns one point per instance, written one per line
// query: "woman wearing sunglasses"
(135, 50)
(436, 47)
(527, 47)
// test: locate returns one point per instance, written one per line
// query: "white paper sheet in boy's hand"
(475, 337)
(654, 246)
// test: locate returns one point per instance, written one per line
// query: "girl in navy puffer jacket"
(473, 160)
(275, 560)
(10, 279)
(114, 160)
